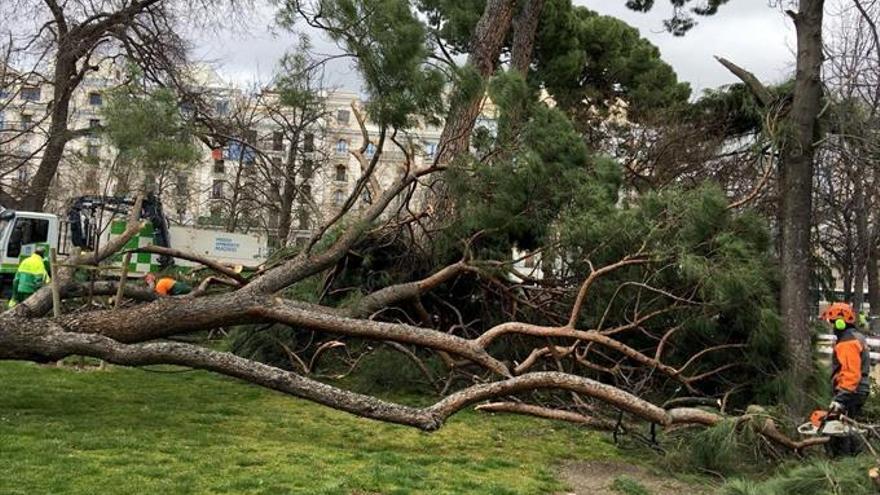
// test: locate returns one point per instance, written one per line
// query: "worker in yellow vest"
(32, 274)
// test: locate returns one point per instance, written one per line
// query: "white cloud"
(748, 32)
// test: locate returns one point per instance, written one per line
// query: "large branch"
(548, 413)
(755, 86)
(183, 255)
(303, 266)
(585, 335)
(401, 292)
(406, 334)
(23, 341)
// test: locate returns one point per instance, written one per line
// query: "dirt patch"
(597, 478)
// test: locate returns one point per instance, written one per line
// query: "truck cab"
(20, 233)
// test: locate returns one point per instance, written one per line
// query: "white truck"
(94, 220)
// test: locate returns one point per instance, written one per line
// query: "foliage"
(147, 128)
(813, 477)
(174, 431)
(386, 371)
(579, 54)
(511, 196)
(583, 56)
(724, 449)
(389, 46)
(871, 408)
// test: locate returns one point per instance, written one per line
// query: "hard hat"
(840, 314)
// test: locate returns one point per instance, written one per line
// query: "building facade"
(239, 182)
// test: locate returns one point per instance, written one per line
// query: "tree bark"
(797, 197)
(485, 48)
(873, 287)
(63, 79)
(862, 243)
(525, 26)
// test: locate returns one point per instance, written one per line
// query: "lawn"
(134, 431)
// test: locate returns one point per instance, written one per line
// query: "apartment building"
(225, 189)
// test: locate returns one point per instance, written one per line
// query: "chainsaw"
(823, 423)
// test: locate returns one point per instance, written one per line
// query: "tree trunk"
(797, 198)
(862, 243)
(873, 287)
(847, 285)
(288, 193)
(524, 28)
(38, 191)
(485, 48)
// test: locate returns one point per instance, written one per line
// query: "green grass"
(131, 431)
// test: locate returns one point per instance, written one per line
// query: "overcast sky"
(748, 32)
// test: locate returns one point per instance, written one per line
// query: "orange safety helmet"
(840, 314)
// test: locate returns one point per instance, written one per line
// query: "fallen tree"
(135, 335)
(642, 297)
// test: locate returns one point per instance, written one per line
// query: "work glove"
(836, 407)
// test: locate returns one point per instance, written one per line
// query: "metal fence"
(826, 341)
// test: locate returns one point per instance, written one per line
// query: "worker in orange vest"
(851, 369)
(167, 286)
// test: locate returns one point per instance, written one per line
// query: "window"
(92, 150)
(341, 173)
(342, 116)
(151, 183)
(371, 149)
(219, 166)
(95, 99)
(341, 147)
(91, 179)
(2, 121)
(309, 143)
(307, 168)
(186, 108)
(30, 94)
(182, 184)
(338, 198)
(366, 196)
(277, 141)
(27, 121)
(250, 136)
(221, 107)
(94, 125)
(23, 175)
(303, 218)
(217, 189)
(26, 231)
(430, 149)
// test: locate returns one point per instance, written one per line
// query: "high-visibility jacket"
(851, 364)
(167, 286)
(31, 275)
